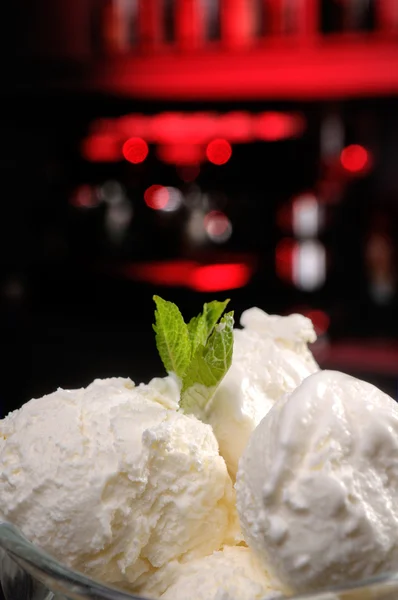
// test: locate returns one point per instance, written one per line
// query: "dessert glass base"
(27, 573)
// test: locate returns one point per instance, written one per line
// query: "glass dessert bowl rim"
(48, 571)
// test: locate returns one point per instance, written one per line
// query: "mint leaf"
(199, 353)
(172, 337)
(208, 366)
(201, 327)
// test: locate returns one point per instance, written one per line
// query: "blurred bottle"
(189, 23)
(238, 23)
(380, 268)
(117, 20)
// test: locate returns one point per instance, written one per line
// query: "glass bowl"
(27, 573)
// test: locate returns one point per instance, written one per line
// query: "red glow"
(181, 138)
(284, 256)
(84, 197)
(320, 320)
(273, 126)
(169, 273)
(135, 150)
(219, 151)
(201, 127)
(235, 126)
(156, 197)
(188, 173)
(237, 23)
(101, 148)
(132, 125)
(189, 274)
(327, 69)
(189, 24)
(214, 278)
(180, 127)
(180, 154)
(354, 158)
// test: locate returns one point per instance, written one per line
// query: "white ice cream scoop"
(317, 486)
(230, 574)
(113, 481)
(271, 357)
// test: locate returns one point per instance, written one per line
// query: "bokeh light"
(219, 277)
(320, 320)
(309, 265)
(156, 197)
(219, 151)
(307, 215)
(274, 126)
(192, 275)
(354, 158)
(85, 196)
(135, 150)
(218, 227)
(101, 148)
(174, 200)
(284, 253)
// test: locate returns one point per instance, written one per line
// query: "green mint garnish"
(172, 337)
(201, 327)
(199, 353)
(208, 366)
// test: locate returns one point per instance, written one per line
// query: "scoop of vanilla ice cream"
(230, 574)
(317, 485)
(113, 481)
(270, 357)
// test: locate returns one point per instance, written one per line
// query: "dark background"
(69, 310)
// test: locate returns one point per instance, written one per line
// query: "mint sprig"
(172, 337)
(208, 366)
(199, 353)
(201, 326)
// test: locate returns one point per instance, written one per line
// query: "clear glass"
(27, 573)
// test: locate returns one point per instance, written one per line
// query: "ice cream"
(270, 357)
(113, 481)
(317, 485)
(126, 484)
(230, 574)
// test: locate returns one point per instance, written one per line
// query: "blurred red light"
(169, 273)
(156, 197)
(101, 148)
(217, 221)
(284, 256)
(182, 136)
(133, 125)
(235, 126)
(273, 126)
(135, 150)
(219, 151)
(320, 320)
(214, 278)
(84, 197)
(354, 158)
(218, 226)
(189, 274)
(180, 154)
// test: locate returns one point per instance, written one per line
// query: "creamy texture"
(317, 486)
(270, 357)
(113, 481)
(230, 574)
